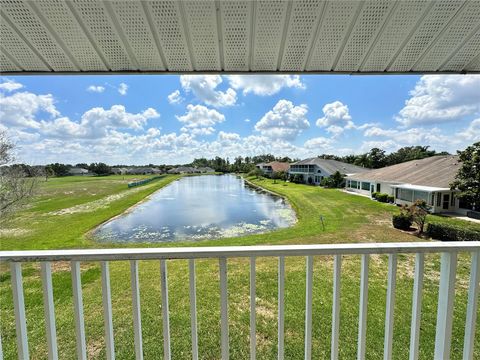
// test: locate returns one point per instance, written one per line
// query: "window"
(405, 194)
(365, 186)
(452, 202)
(353, 184)
(420, 195)
(439, 199)
(432, 200)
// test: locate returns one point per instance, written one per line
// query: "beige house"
(426, 179)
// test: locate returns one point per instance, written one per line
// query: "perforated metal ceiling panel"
(165, 36)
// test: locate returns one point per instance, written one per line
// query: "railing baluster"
(472, 307)
(137, 319)
(281, 307)
(78, 309)
(416, 305)
(193, 309)
(49, 310)
(308, 308)
(165, 314)
(337, 268)
(390, 307)
(362, 321)
(446, 293)
(19, 308)
(107, 310)
(224, 308)
(253, 313)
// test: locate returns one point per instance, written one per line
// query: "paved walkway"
(460, 217)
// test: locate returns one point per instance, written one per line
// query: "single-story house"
(119, 171)
(77, 171)
(274, 166)
(313, 170)
(142, 171)
(205, 169)
(184, 170)
(426, 179)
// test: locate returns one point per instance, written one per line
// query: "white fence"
(443, 335)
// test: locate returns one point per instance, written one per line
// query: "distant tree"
(467, 179)
(100, 168)
(376, 158)
(16, 187)
(48, 172)
(82, 165)
(59, 169)
(336, 180)
(256, 172)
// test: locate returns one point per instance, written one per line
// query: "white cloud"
(387, 145)
(96, 122)
(200, 120)
(175, 97)
(285, 121)
(226, 137)
(96, 88)
(10, 85)
(319, 143)
(264, 84)
(472, 132)
(204, 88)
(441, 98)
(336, 114)
(22, 108)
(122, 89)
(247, 120)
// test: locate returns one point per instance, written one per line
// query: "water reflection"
(199, 207)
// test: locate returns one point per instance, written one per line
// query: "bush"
(382, 197)
(375, 194)
(390, 199)
(402, 221)
(447, 232)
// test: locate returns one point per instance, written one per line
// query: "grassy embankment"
(82, 203)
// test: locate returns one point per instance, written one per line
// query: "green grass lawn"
(67, 208)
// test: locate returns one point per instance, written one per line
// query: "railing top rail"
(237, 251)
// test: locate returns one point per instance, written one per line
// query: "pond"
(198, 208)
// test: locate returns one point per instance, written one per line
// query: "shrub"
(375, 194)
(382, 197)
(390, 199)
(402, 221)
(447, 232)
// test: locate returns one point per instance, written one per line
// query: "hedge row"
(446, 232)
(143, 182)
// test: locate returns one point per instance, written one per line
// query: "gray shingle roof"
(333, 165)
(435, 171)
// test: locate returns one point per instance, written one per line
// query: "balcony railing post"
(224, 309)
(390, 307)
(362, 321)
(165, 314)
(446, 293)
(137, 319)
(253, 314)
(416, 306)
(472, 305)
(49, 310)
(193, 309)
(281, 307)
(19, 308)
(337, 268)
(308, 308)
(107, 311)
(78, 309)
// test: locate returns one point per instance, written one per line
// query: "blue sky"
(172, 119)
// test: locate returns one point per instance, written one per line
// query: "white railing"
(443, 335)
